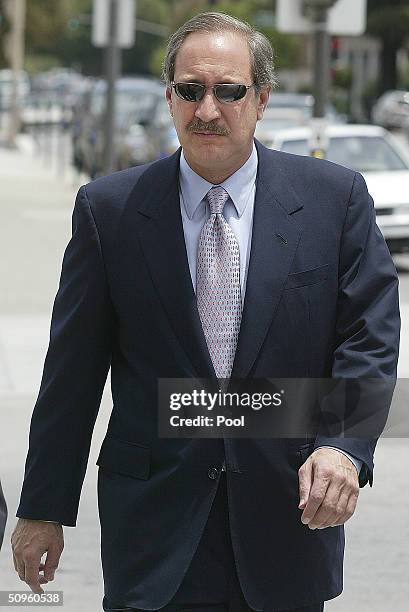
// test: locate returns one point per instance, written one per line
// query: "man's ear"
(263, 101)
(168, 95)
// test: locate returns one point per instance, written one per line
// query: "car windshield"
(360, 153)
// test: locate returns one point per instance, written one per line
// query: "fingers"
(334, 492)
(305, 482)
(31, 564)
(52, 560)
(331, 509)
(349, 511)
(30, 540)
(15, 563)
(43, 580)
(18, 562)
(317, 494)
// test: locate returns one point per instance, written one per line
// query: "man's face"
(215, 134)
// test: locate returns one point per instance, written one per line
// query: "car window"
(360, 153)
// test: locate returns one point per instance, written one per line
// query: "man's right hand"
(29, 541)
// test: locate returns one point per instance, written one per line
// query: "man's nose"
(208, 107)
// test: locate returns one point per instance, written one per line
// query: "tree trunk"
(389, 72)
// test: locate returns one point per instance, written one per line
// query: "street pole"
(321, 62)
(113, 70)
(17, 13)
(317, 10)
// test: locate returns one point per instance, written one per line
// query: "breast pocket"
(305, 278)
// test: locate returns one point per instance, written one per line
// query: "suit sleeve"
(366, 341)
(3, 515)
(75, 371)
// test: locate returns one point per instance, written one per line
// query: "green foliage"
(45, 24)
(156, 60)
(389, 21)
(41, 63)
(370, 96)
(61, 31)
(404, 80)
(55, 30)
(4, 29)
(342, 78)
(287, 47)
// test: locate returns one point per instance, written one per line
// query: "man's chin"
(212, 153)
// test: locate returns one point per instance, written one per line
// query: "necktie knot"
(217, 198)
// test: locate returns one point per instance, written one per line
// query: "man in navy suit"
(209, 524)
(3, 515)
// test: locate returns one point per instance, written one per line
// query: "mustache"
(197, 125)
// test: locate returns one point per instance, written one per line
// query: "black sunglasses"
(224, 92)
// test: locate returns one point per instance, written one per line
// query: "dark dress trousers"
(3, 515)
(321, 301)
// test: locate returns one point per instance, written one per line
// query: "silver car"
(380, 157)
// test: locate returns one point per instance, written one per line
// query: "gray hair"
(261, 51)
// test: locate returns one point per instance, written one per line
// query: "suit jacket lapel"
(157, 220)
(275, 238)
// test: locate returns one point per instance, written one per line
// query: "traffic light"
(334, 49)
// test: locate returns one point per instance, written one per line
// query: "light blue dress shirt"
(238, 212)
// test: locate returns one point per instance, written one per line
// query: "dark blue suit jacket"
(321, 301)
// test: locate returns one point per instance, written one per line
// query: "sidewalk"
(36, 209)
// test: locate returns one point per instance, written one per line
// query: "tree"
(53, 34)
(60, 32)
(4, 29)
(389, 21)
(288, 47)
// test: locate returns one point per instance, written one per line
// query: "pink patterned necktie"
(218, 285)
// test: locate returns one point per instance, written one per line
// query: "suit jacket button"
(213, 473)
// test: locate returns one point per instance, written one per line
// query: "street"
(36, 207)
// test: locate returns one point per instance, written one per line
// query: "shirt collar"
(194, 188)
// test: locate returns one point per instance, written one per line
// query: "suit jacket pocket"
(307, 277)
(127, 458)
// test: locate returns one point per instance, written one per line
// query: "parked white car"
(380, 157)
(288, 110)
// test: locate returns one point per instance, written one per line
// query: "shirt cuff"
(357, 463)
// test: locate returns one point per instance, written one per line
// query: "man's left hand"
(329, 489)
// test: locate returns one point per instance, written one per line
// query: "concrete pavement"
(36, 207)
